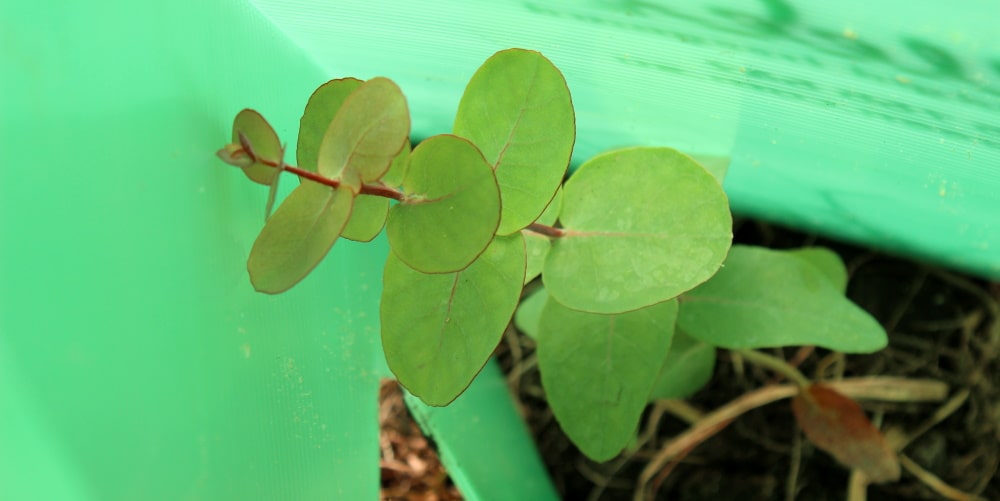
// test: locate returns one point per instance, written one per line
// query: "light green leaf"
(538, 244)
(298, 235)
(517, 110)
(264, 142)
(688, 367)
(642, 225)
(767, 298)
(826, 261)
(367, 133)
(438, 330)
(320, 110)
(450, 209)
(367, 218)
(529, 312)
(598, 371)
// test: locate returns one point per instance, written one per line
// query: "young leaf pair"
(351, 133)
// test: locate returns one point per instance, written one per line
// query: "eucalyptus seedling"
(630, 249)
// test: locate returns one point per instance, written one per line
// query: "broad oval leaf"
(826, 261)
(598, 371)
(517, 110)
(450, 209)
(438, 330)
(298, 235)
(767, 298)
(688, 367)
(643, 225)
(836, 424)
(322, 107)
(264, 142)
(368, 131)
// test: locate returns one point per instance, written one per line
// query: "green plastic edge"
(484, 443)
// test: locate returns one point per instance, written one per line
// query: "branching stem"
(378, 190)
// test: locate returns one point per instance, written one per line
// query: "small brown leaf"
(836, 424)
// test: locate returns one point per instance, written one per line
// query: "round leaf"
(367, 133)
(642, 226)
(298, 235)
(450, 209)
(767, 298)
(264, 142)
(517, 110)
(598, 371)
(438, 330)
(320, 110)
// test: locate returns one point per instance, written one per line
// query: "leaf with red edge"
(836, 424)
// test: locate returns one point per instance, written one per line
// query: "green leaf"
(438, 330)
(264, 142)
(688, 367)
(767, 298)
(529, 312)
(517, 110)
(369, 130)
(450, 209)
(397, 171)
(539, 245)
(598, 371)
(320, 110)
(643, 225)
(826, 261)
(367, 218)
(298, 235)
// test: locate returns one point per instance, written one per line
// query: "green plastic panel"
(484, 443)
(136, 361)
(875, 122)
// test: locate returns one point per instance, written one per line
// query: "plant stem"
(777, 365)
(549, 231)
(378, 190)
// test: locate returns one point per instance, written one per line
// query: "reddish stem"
(379, 190)
(549, 231)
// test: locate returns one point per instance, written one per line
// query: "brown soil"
(942, 326)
